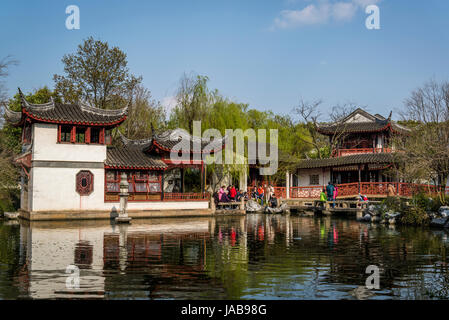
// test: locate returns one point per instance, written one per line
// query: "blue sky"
(264, 53)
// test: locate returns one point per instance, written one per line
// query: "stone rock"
(253, 206)
(365, 218)
(438, 222)
(443, 211)
(392, 215)
(283, 208)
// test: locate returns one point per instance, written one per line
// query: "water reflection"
(252, 257)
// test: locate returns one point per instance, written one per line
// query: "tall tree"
(425, 152)
(8, 146)
(310, 116)
(193, 101)
(144, 115)
(97, 74)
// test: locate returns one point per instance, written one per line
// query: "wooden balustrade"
(347, 152)
(187, 196)
(368, 189)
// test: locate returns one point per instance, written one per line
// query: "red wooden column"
(87, 136)
(360, 177)
(73, 135)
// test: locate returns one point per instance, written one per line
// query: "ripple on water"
(252, 257)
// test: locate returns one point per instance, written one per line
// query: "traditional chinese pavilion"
(71, 170)
(363, 152)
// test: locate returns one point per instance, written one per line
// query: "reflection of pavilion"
(167, 250)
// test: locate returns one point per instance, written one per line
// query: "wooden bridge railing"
(366, 188)
(353, 189)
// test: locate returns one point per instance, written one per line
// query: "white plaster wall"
(45, 147)
(54, 189)
(303, 176)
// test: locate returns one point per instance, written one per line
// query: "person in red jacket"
(261, 194)
(232, 193)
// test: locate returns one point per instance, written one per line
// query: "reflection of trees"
(227, 259)
(14, 276)
(401, 254)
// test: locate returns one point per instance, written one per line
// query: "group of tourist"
(330, 193)
(230, 193)
(263, 194)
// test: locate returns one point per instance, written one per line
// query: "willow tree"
(193, 99)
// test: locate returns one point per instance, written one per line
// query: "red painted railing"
(367, 188)
(157, 196)
(352, 189)
(347, 152)
(189, 196)
(305, 192)
(347, 189)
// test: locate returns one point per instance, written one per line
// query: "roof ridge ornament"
(126, 141)
(85, 106)
(36, 106)
(11, 115)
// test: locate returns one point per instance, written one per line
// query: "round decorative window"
(84, 182)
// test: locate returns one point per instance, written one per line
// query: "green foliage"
(11, 147)
(414, 215)
(427, 203)
(96, 73)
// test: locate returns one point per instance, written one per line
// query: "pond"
(247, 257)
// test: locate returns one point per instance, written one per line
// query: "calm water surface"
(252, 257)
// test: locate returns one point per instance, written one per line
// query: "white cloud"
(321, 12)
(343, 11)
(309, 15)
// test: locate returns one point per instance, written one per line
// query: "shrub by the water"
(414, 215)
(413, 212)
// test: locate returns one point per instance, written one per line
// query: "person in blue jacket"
(330, 193)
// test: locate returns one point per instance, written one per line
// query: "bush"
(414, 213)
(427, 203)
(414, 216)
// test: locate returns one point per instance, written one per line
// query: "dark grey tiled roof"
(171, 138)
(376, 123)
(66, 113)
(168, 139)
(355, 159)
(12, 117)
(132, 158)
(361, 127)
(75, 113)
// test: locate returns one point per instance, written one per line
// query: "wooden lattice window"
(84, 182)
(95, 135)
(65, 133)
(314, 179)
(80, 135)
